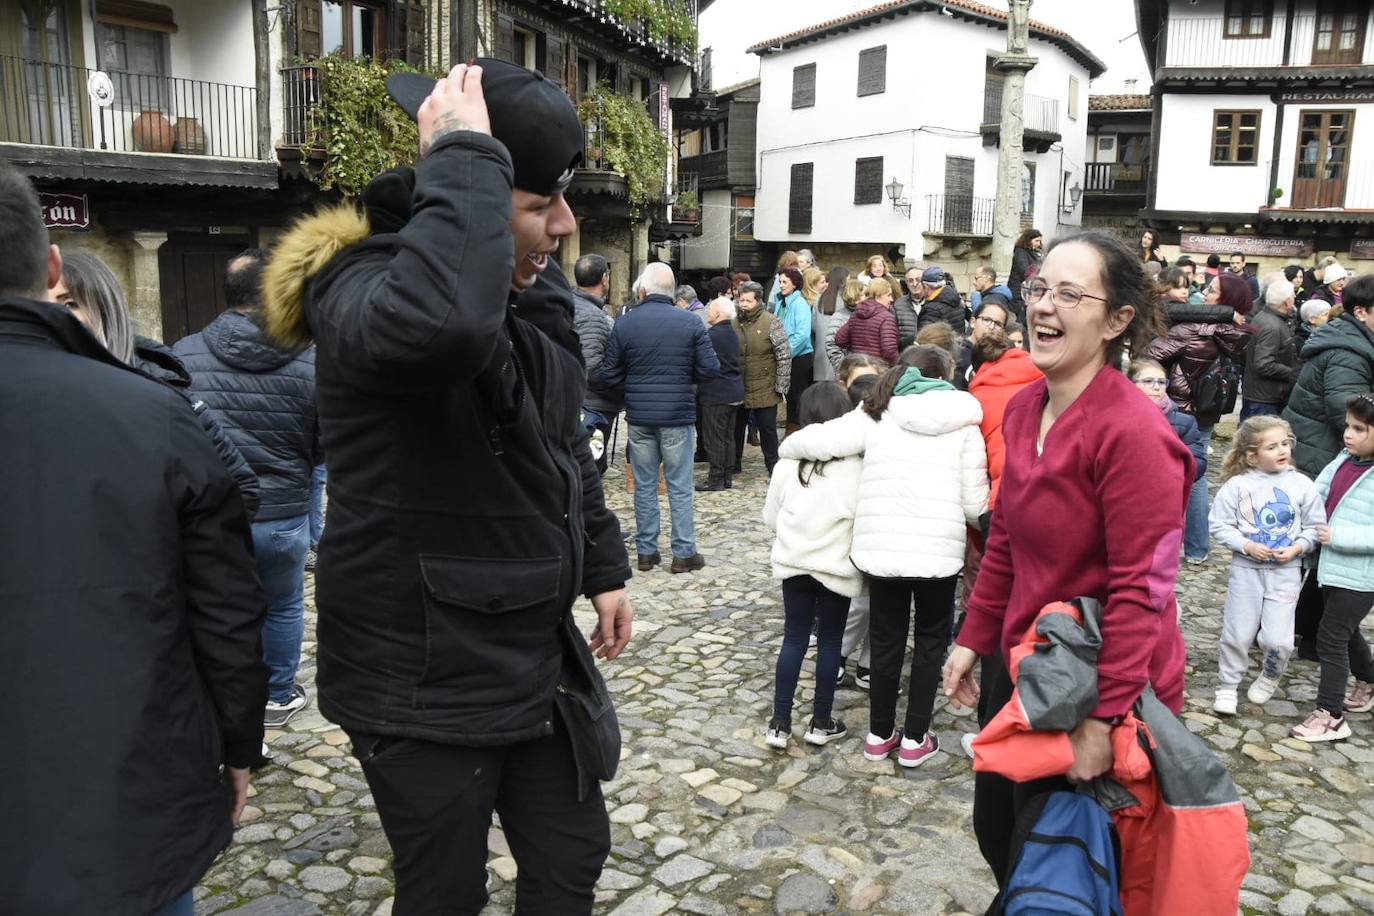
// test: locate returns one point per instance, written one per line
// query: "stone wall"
(612, 240)
(133, 265)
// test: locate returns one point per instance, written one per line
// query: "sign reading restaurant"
(1329, 95)
(1204, 243)
(65, 211)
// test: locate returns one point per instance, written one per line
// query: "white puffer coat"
(815, 523)
(925, 476)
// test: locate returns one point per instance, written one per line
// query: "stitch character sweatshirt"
(1275, 510)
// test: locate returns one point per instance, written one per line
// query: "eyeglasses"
(1152, 382)
(991, 322)
(1063, 297)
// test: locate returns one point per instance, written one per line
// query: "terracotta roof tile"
(970, 5)
(1119, 102)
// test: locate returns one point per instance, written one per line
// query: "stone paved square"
(706, 819)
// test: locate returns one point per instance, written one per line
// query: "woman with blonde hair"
(851, 293)
(876, 267)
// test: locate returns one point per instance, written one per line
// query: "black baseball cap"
(530, 115)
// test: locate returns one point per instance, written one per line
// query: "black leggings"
(889, 621)
(997, 800)
(801, 380)
(1341, 646)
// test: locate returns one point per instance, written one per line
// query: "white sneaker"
(966, 743)
(778, 733)
(1262, 689)
(1225, 702)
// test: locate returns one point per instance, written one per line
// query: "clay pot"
(190, 137)
(153, 133)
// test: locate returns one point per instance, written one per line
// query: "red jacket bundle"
(1182, 826)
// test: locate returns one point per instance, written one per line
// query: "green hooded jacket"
(1338, 361)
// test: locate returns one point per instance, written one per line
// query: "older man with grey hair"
(721, 397)
(1271, 361)
(659, 353)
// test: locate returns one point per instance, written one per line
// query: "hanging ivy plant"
(667, 22)
(361, 131)
(628, 142)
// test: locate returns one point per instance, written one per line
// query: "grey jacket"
(593, 328)
(834, 353)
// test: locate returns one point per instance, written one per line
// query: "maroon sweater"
(872, 329)
(1098, 514)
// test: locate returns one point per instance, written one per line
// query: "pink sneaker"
(876, 748)
(912, 754)
(1321, 726)
(1361, 699)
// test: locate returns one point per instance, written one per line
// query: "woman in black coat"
(1024, 255)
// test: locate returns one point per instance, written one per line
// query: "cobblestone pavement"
(706, 819)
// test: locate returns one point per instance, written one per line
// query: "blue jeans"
(805, 601)
(1249, 408)
(673, 448)
(1196, 534)
(280, 547)
(317, 480)
(185, 905)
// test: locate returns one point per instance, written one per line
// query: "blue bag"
(1065, 859)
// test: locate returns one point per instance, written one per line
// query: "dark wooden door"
(1339, 37)
(958, 194)
(191, 269)
(1323, 159)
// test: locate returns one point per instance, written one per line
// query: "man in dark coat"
(659, 352)
(466, 512)
(130, 661)
(593, 325)
(942, 302)
(263, 396)
(721, 397)
(907, 310)
(1271, 359)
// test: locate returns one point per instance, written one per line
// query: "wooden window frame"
(1235, 115)
(801, 98)
(876, 79)
(866, 194)
(1245, 14)
(795, 209)
(743, 203)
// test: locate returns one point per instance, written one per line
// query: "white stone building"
(906, 91)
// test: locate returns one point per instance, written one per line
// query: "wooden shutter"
(412, 35)
(804, 86)
(309, 43)
(799, 198)
(623, 83)
(570, 79)
(868, 180)
(555, 59)
(873, 71)
(505, 39)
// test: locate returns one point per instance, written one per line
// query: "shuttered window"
(868, 180)
(799, 198)
(804, 86)
(873, 71)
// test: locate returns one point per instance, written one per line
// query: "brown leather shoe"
(648, 561)
(688, 564)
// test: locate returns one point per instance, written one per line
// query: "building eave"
(153, 169)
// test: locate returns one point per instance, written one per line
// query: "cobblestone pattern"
(707, 820)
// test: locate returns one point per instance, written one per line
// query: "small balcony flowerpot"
(152, 133)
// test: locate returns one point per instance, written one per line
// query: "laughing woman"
(1081, 445)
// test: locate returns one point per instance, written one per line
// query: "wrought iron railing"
(958, 214)
(1259, 40)
(1038, 113)
(46, 105)
(687, 201)
(712, 166)
(1115, 178)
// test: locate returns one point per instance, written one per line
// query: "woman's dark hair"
(875, 405)
(931, 361)
(1025, 239)
(1358, 293)
(835, 279)
(1173, 277)
(820, 403)
(1291, 272)
(1235, 293)
(1361, 406)
(795, 276)
(989, 348)
(1148, 253)
(717, 287)
(1123, 280)
(1214, 261)
(861, 388)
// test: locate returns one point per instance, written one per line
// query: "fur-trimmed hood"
(297, 258)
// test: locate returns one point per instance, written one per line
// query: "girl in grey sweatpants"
(1266, 513)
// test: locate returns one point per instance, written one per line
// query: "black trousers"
(718, 430)
(801, 380)
(435, 802)
(997, 800)
(889, 621)
(1308, 615)
(1342, 647)
(767, 420)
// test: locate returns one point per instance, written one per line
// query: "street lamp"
(1075, 195)
(894, 194)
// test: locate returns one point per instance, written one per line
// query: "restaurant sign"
(65, 211)
(1362, 249)
(1205, 243)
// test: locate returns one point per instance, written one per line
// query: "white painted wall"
(932, 108)
(214, 41)
(1186, 178)
(1196, 37)
(711, 249)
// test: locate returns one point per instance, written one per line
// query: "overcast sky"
(730, 26)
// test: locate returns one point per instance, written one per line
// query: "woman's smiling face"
(1065, 341)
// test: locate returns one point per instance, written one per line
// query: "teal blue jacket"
(795, 315)
(1348, 561)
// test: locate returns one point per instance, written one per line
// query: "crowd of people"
(1044, 442)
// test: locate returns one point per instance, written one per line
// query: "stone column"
(570, 249)
(145, 299)
(1006, 222)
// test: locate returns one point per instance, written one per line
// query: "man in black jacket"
(1271, 360)
(466, 512)
(263, 396)
(602, 404)
(942, 302)
(129, 662)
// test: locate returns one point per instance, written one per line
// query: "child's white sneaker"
(1262, 690)
(1225, 702)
